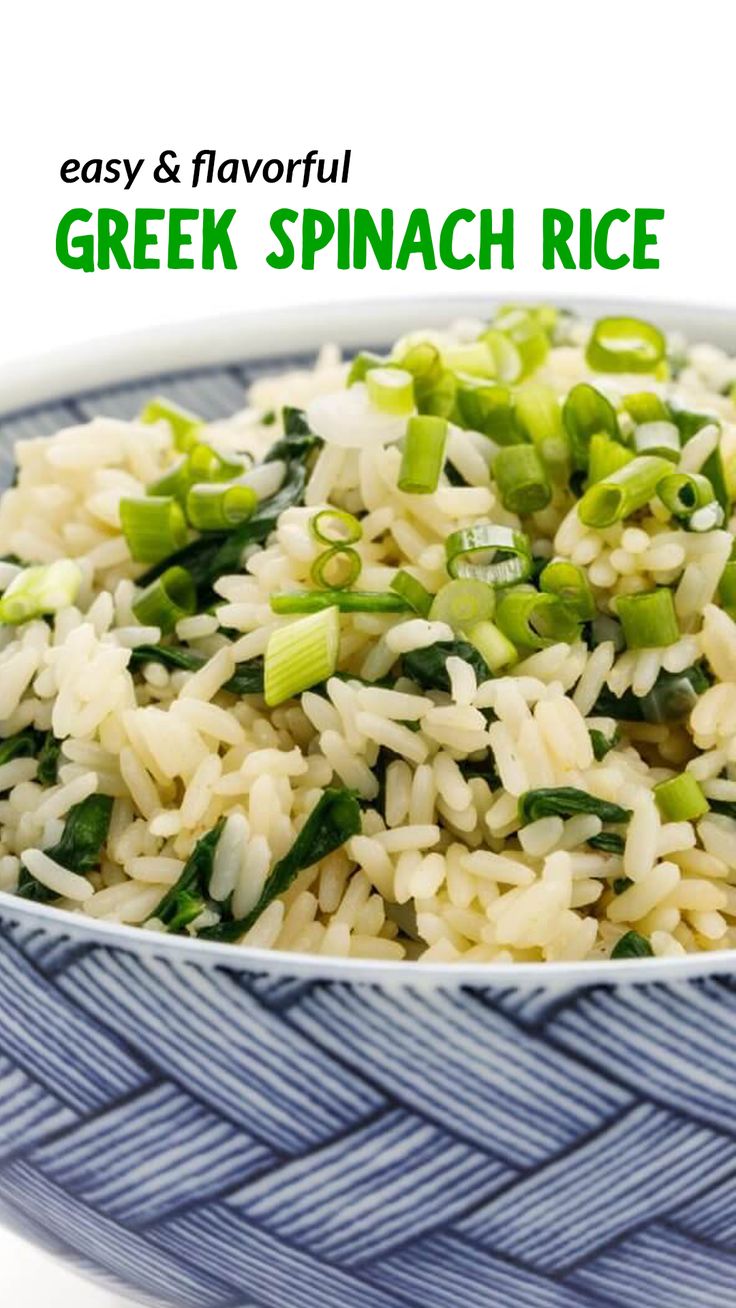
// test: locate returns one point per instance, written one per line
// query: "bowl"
(202, 1126)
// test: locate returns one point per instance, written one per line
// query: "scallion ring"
(535, 619)
(167, 600)
(568, 581)
(154, 527)
(463, 603)
(215, 506)
(648, 619)
(336, 568)
(623, 492)
(415, 594)
(625, 345)
(489, 552)
(335, 527)
(684, 492)
(522, 479)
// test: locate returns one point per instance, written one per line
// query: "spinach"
(48, 760)
(79, 848)
(24, 744)
(565, 801)
(609, 842)
(186, 900)
(725, 806)
(670, 699)
(621, 884)
(297, 441)
(427, 667)
(601, 743)
(333, 820)
(246, 680)
(632, 945)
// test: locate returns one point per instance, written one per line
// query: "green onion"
(646, 406)
(727, 589)
(347, 601)
(526, 330)
(632, 945)
(496, 554)
(535, 619)
(587, 413)
(205, 464)
(521, 479)
(300, 655)
(184, 425)
(335, 527)
(42, 589)
(462, 603)
(362, 365)
(661, 438)
(648, 620)
(434, 384)
(486, 407)
(604, 457)
(683, 493)
(153, 527)
(391, 390)
(569, 582)
(508, 364)
(625, 345)
(215, 506)
(496, 649)
(714, 470)
(474, 357)
(336, 568)
(167, 600)
(539, 416)
(416, 595)
(680, 799)
(622, 492)
(175, 482)
(423, 455)
(565, 802)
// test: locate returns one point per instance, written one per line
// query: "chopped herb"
(609, 842)
(79, 848)
(632, 945)
(566, 801)
(621, 884)
(186, 900)
(24, 744)
(428, 667)
(48, 760)
(671, 698)
(246, 680)
(601, 743)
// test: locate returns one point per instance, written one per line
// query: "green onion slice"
(391, 390)
(463, 603)
(495, 649)
(727, 589)
(153, 527)
(39, 590)
(661, 438)
(167, 600)
(535, 619)
(336, 568)
(526, 330)
(587, 413)
(646, 406)
(184, 425)
(300, 655)
(423, 455)
(604, 457)
(214, 506)
(521, 478)
(569, 583)
(489, 552)
(539, 415)
(335, 527)
(362, 365)
(508, 364)
(416, 595)
(680, 799)
(347, 601)
(623, 492)
(487, 407)
(648, 620)
(205, 464)
(625, 345)
(685, 492)
(474, 357)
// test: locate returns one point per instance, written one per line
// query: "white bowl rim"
(238, 338)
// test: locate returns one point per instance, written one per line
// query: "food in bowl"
(428, 655)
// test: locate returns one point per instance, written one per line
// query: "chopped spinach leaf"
(566, 801)
(24, 744)
(246, 680)
(79, 848)
(601, 743)
(609, 842)
(48, 760)
(428, 667)
(671, 698)
(621, 884)
(632, 945)
(186, 900)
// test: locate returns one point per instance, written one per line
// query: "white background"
(463, 104)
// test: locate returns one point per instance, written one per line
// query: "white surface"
(33, 1280)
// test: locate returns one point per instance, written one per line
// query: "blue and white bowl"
(203, 1126)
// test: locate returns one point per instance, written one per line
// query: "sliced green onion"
(362, 365)
(540, 418)
(300, 655)
(494, 648)
(535, 619)
(434, 384)
(167, 600)
(153, 527)
(525, 329)
(646, 406)
(623, 492)
(587, 413)
(706, 519)
(690, 422)
(205, 464)
(348, 601)
(625, 345)
(648, 620)
(335, 527)
(565, 802)
(727, 589)
(715, 471)
(487, 407)
(632, 945)
(463, 603)
(604, 457)
(680, 799)
(495, 554)
(521, 479)
(423, 455)
(391, 390)
(39, 590)
(175, 482)
(184, 425)
(474, 357)
(508, 364)
(570, 584)
(684, 492)
(661, 438)
(336, 568)
(214, 506)
(416, 595)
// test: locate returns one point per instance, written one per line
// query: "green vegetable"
(632, 945)
(48, 760)
(154, 526)
(336, 568)
(525, 329)
(495, 649)
(622, 492)
(671, 699)
(620, 884)
(680, 799)
(498, 555)
(188, 898)
(416, 595)
(660, 438)
(507, 364)
(487, 407)
(423, 455)
(39, 591)
(333, 821)
(565, 802)
(300, 655)
(587, 413)
(463, 603)
(214, 506)
(601, 743)
(648, 619)
(247, 679)
(391, 390)
(427, 667)
(167, 600)
(605, 457)
(625, 345)
(24, 744)
(347, 601)
(184, 425)
(472, 357)
(363, 363)
(683, 493)
(434, 384)
(570, 584)
(727, 589)
(335, 527)
(80, 847)
(539, 415)
(646, 406)
(535, 619)
(609, 842)
(521, 479)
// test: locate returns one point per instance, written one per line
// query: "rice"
(445, 855)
